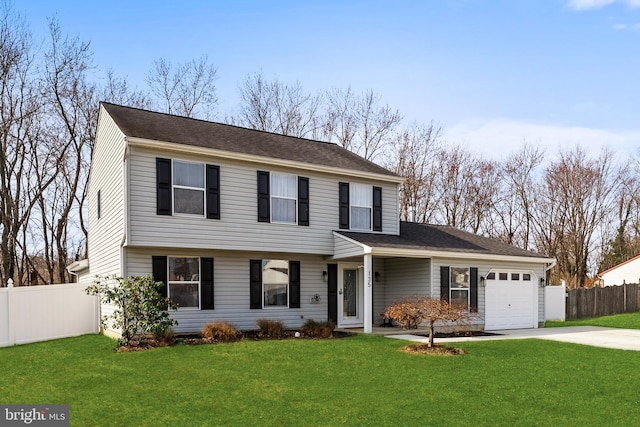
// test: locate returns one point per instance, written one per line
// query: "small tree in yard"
(139, 307)
(409, 312)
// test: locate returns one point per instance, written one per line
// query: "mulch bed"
(148, 342)
(436, 349)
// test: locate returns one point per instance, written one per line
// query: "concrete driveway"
(624, 339)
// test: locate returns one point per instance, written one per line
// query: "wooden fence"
(583, 303)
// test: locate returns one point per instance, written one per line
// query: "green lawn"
(626, 320)
(361, 380)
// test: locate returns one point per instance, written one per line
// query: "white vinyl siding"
(107, 176)
(238, 228)
(345, 248)
(231, 289)
(406, 276)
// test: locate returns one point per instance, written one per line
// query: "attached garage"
(511, 300)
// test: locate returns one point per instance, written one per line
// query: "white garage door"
(510, 300)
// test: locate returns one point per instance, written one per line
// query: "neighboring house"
(623, 273)
(241, 225)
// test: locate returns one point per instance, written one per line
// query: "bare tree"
(273, 106)
(414, 157)
(116, 90)
(514, 210)
(72, 107)
(187, 89)
(579, 190)
(19, 107)
(360, 123)
(455, 176)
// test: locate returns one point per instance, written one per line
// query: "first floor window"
(184, 281)
(275, 283)
(459, 289)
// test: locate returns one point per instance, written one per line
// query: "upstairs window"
(284, 197)
(360, 197)
(99, 203)
(188, 188)
(359, 207)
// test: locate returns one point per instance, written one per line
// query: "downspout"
(125, 202)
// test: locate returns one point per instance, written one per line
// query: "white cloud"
(597, 4)
(619, 26)
(498, 138)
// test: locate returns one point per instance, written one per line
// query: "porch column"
(368, 293)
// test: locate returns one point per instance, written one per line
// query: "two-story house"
(241, 225)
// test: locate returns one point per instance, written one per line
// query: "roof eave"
(232, 155)
(421, 253)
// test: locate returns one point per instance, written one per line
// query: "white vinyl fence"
(40, 313)
(554, 302)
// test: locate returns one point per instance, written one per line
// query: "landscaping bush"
(271, 328)
(139, 307)
(314, 329)
(220, 331)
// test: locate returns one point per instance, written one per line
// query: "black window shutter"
(263, 197)
(159, 267)
(332, 292)
(344, 205)
(377, 208)
(206, 283)
(163, 185)
(303, 200)
(213, 192)
(255, 281)
(444, 283)
(294, 284)
(473, 291)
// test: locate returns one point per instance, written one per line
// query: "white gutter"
(553, 264)
(231, 155)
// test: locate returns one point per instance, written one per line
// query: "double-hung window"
(275, 283)
(284, 197)
(188, 188)
(184, 281)
(360, 209)
(459, 289)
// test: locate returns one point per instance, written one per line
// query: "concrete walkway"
(625, 339)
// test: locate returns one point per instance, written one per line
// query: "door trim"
(359, 320)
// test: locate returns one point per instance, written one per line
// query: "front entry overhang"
(349, 248)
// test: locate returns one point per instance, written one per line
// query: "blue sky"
(492, 72)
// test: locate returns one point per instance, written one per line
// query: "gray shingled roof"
(182, 130)
(428, 237)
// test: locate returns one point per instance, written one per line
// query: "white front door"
(350, 295)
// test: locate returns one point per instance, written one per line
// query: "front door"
(350, 290)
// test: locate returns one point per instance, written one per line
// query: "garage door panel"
(509, 304)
